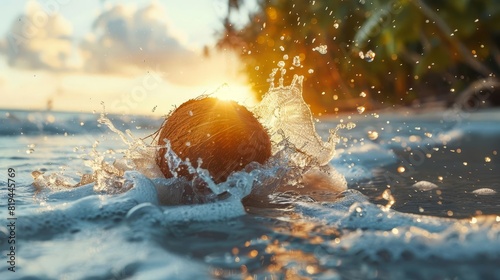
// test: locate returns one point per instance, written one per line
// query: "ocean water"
(408, 194)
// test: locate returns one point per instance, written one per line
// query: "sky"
(133, 57)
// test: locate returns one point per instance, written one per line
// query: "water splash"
(259, 180)
(53, 181)
(361, 109)
(285, 114)
(322, 49)
(372, 134)
(138, 155)
(297, 148)
(368, 56)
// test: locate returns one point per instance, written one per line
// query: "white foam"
(354, 211)
(459, 241)
(424, 186)
(71, 194)
(377, 233)
(53, 217)
(484, 191)
(220, 210)
(103, 254)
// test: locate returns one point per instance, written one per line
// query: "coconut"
(223, 134)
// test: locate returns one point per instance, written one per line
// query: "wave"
(16, 123)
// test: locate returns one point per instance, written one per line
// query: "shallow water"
(437, 219)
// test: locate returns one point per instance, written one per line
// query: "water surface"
(438, 218)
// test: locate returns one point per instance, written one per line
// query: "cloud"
(125, 39)
(39, 40)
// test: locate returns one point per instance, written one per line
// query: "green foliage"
(415, 42)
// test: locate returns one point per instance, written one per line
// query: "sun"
(237, 92)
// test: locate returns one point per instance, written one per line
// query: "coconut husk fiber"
(224, 134)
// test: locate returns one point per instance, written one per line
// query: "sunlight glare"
(236, 92)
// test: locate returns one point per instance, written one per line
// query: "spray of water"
(297, 150)
(286, 115)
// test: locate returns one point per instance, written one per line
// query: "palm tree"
(423, 48)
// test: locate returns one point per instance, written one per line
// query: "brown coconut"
(224, 134)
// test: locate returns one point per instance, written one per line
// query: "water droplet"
(372, 135)
(465, 163)
(82, 123)
(282, 48)
(310, 71)
(361, 109)
(281, 64)
(282, 38)
(401, 169)
(188, 144)
(336, 25)
(322, 49)
(30, 151)
(257, 67)
(296, 61)
(487, 159)
(368, 56)
(350, 125)
(386, 194)
(285, 57)
(253, 253)
(190, 113)
(362, 94)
